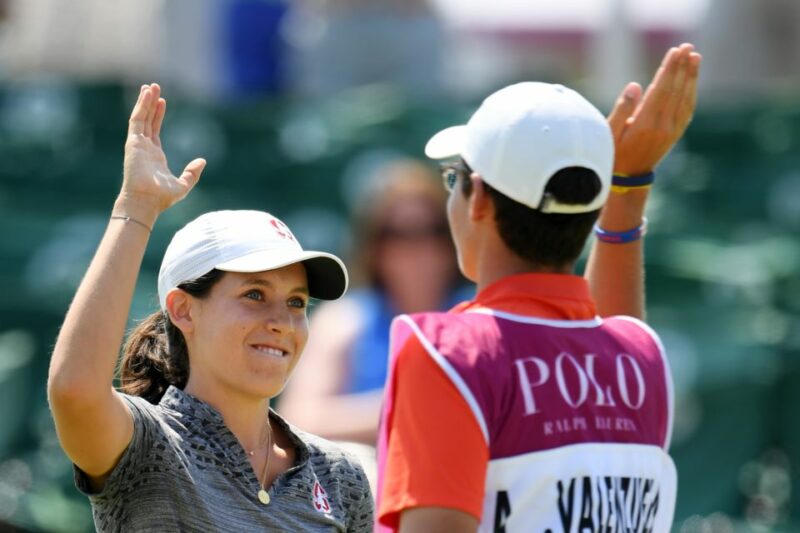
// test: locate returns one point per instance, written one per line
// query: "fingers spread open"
(151, 109)
(191, 174)
(139, 113)
(158, 119)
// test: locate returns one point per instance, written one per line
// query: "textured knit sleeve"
(362, 515)
(145, 427)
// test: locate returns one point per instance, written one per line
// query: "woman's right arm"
(93, 422)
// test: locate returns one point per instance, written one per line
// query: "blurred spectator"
(338, 45)
(405, 264)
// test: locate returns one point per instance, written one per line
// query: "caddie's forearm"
(86, 351)
(615, 272)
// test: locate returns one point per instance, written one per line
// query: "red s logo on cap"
(282, 229)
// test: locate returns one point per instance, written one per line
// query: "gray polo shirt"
(185, 471)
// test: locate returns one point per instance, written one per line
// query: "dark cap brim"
(327, 278)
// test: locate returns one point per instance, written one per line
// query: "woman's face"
(248, 333)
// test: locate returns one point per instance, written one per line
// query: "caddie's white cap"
(523, 134)
(245, 241)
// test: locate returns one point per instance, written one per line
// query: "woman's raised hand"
(147, 181)
(93, 422)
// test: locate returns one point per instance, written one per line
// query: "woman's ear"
(480, 205)
(179, 306)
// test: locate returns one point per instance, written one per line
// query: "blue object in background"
(255, 47)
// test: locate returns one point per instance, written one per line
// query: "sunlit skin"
(459, 221)
(246, 336)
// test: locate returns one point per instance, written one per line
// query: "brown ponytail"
(155, 355)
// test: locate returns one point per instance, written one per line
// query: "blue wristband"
(621, 237)
(621, 183)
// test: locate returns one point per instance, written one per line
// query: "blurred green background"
(722, 250)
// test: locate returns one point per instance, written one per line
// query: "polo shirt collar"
(203, 418)
(546, 295)
(178, 401)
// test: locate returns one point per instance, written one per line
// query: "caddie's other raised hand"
(146, 175)
(646, 127)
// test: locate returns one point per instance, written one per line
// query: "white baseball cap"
(523, 134)
(245, 241)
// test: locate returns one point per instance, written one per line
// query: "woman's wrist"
(142, 210)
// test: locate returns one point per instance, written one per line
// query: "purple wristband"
(621, 237)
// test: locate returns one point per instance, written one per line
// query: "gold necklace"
(263, 495)
(263, 441)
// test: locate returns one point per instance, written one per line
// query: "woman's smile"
(270, 350)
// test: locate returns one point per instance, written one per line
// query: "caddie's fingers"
(626, 104)
(683, 65)
(158, 119)
(191, 174)
(151, 109)
(658, 90)
(689, 100)
(663, 67)
(674, 96)
(139, 113)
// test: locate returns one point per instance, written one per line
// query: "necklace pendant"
(263, 497)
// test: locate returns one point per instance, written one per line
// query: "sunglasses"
(451, 171)
(412, 233)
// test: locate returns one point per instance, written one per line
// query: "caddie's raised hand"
(146, 175)
(646, 127)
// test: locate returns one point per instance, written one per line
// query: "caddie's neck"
(482, 254)
(494, 260)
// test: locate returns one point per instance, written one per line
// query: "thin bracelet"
(127, 218)
(621, 237)
(622, 183)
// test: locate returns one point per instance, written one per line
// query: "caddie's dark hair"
(155, 355)
(551, 240)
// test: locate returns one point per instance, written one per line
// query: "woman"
(191, 443)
